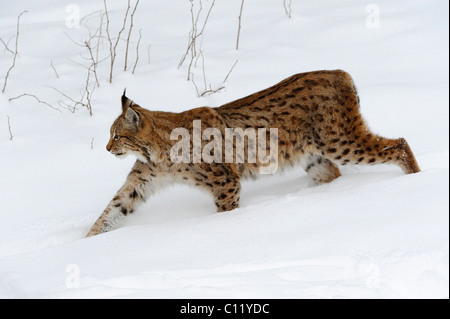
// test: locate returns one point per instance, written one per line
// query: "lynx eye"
(116, 137)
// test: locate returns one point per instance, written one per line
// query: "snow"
(372, 233)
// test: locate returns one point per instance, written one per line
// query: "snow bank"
(372, 233)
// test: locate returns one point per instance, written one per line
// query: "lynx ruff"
(313, 120)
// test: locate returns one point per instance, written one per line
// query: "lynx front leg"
(139, 185)
(227, 194)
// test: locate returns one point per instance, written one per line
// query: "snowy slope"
(372, 233)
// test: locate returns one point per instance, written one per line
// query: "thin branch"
(6, 46)
(9, 129)
(226, 78)
(78, 63)
(15, 52)
(36, 98)
(203, 70)
(148, 53)
(112, 48)
(99, 37)
(71, 107)
(88, 92)
(239, 26)
(195, 85)
(118, 39)
(129, 34)
(287, 7)
(87, 16)
(137, 51)
(211, 91)
(94, 62)
(88, 45)
(206, 91)
(206, 19)
(63, 94)
(109, 40)
(74, 42)
(53, 67)
(194, 35)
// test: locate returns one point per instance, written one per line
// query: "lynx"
(318, 124)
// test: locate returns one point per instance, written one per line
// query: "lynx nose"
(108, 147)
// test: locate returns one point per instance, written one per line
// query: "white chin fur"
(137, 154)
(121, 156)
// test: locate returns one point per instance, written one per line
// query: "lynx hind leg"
(372, 149)
(407, 159)
(319, 168)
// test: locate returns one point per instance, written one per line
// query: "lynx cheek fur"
(319, 126)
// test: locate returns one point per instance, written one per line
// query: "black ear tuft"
(126, 102)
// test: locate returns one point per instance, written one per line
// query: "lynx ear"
(132, 116)
(126, 102)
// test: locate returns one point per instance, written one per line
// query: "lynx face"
(128, 134)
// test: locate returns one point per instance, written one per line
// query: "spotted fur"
(319, 127)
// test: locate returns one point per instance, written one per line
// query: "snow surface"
(372, 233)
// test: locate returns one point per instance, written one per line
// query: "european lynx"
(318, 124)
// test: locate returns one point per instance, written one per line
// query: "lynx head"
(130, 131)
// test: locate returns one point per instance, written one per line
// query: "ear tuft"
(126, 102)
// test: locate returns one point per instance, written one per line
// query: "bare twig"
(194, 34)
(112, 48)
(137, 51)
(129, 34)
(94, 59)
(239, 26)
(92, 49)
(195, 85)
(78, 63)
(94, 63)
(36, 98)
(89, 15)
(203, 70)
(99, 37)
(73, 41)
(206, 19)
(6, 46)
(148, 53)
(72, 107)
(15, 52)
(194, 38)
(211, 91)
(226, 78)
(9, 129)
(88, 92)
(207, 91)
(53, 67)
(109, 40)
(287, 7)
